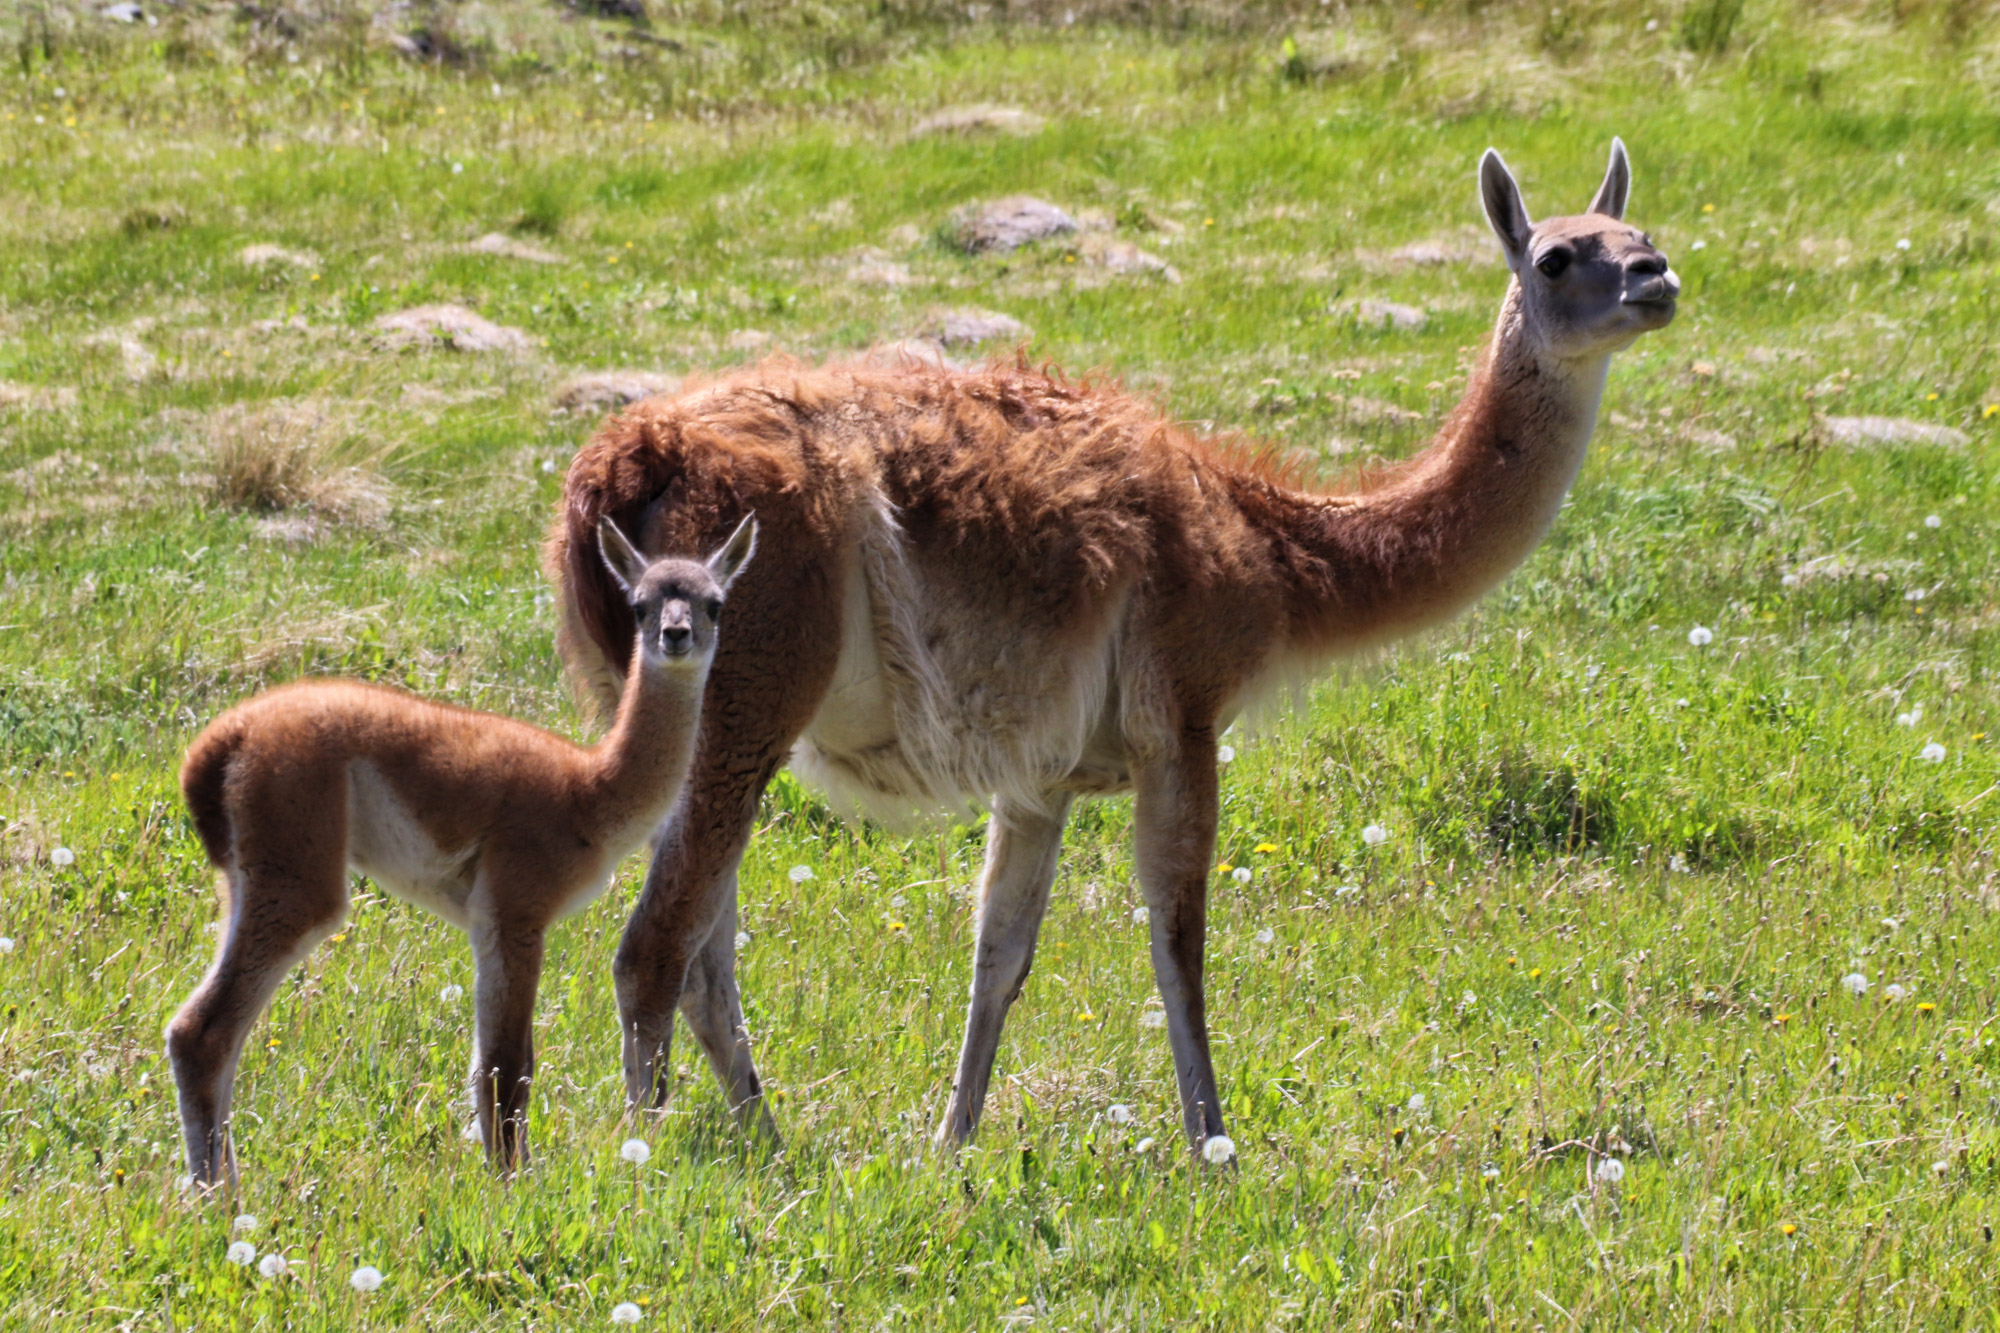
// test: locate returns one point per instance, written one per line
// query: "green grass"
(1625, 874)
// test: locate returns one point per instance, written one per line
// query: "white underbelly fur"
(387, 844)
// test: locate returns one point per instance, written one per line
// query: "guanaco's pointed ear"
(620, 556)
(1504, 209)
(1611, 195)
(735, 553)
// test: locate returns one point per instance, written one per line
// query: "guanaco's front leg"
(507, 968)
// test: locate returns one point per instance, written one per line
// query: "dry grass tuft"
(298, 455)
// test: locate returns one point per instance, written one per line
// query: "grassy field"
(1626, 873)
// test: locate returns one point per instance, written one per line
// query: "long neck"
(1430, 537)
(636, 770)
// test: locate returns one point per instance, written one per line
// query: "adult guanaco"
(499, 827)
(998, 586)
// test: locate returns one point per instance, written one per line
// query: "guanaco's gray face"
(1590, 284)
(676, 601)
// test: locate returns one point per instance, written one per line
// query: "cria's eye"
(1553, 263)
(714, 608)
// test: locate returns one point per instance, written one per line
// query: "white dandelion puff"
(548, 465)
(6, 944)
(1143, 1145)
(898, 903)
(1933, 521)
(241, 1253)
(365, 1278)
(635, 1151)
(1677, 864)
(62, 858)
(452, 994)
(1903, 243)
(1139, 915)
(1610, 1171)
(273, 1265)
(1701, 636)
(1943, 1169)
(1698, 245)
(1219, 1149)
(742, 940)
(1932, 753)
(798, 875)
(1854, 984)
(1266, 935)
(1119, 1114)
(1374, 835)
(1418, 1101)
(1242, 874)
(1893, 992)
(1225, 754)
(245, 1222)
(1789, 581)
(1490, 1172)
(625, 1313)
(1153, 1018)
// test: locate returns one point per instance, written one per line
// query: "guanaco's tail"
(202, 774)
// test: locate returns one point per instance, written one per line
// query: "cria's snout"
(676, 629)
(1649, 281)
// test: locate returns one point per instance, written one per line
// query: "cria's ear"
(1611, 195)
(735, 553)
(1504, 208)
(620, 556)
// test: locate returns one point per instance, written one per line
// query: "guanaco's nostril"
(1649, 265)
(675, 638)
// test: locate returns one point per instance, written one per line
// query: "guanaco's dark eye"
(714, 608)
(1553, 263)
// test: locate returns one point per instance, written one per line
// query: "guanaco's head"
(1590, 284)
(676, 600)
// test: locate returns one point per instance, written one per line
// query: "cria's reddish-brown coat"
(998, 585)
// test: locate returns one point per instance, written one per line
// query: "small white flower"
(1789, 581)
(1374, 835)
(62, 858)
(1903, 244)
(742, 940)
(1610, 1171)
(1854, 984)
(1893, 992)
(1698, 245)
(1119, 1114)
(1701, 636)
(1418, 1101)
(1218, 1150)
(1143, 1145)
(1225, 754)
(799, 875)
(635, 1151)
(1266, 935)
(366, 1278)
(625, 1313)
(241, 1253)
(1139, 915)
(1242, 874)
(1153, 1018)
(1932, 753)
(1933, 521)
(6, 944)
(245, 1222)
(452, 994)
(273, 1265)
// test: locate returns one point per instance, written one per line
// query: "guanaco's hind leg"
(714, 1011)
(1022, 844)
(287, 892)
(507, 968)
(1173, 836)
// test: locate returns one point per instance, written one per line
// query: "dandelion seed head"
(1153, 1018)
(1266, 935)
(1903, 243)
(241, 1253)
(742, 940)
(1225, 754)
(1701, 636)
(245, 1223)
(1906, 719)
(6, 944)
(452, 994)
(799, 874)
(1490, 1172)
(273, 1265)
(1943, 1169)
(365, 1278)
(548, 465)
(62, 858)
(1139, 915)
(1789, 581)
(1119, 1114)
(1854, 984)
(1242, 874)
(1143, 1145)
(1374, 835)
(1893, 992)
(625, 1313)
(899, 902)
(1218, 1149)
(1418, 1101)
(635, 1151)
(1610, 1171)
(1933, 521)
(1932, 753)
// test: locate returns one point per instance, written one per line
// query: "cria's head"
(676, 600)
(1590, 284)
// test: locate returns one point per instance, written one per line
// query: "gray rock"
(1008, 224)
(967, 327)
(1127, 259)
(493, 243)
(1893, 430)
(983, 118)
(262, 253)
(1388, 315)
(450, 326)
(603, 390)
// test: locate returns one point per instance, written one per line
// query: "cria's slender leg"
(1173, 836)
(1022, 842)
(714, 1010)
(507, 965)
